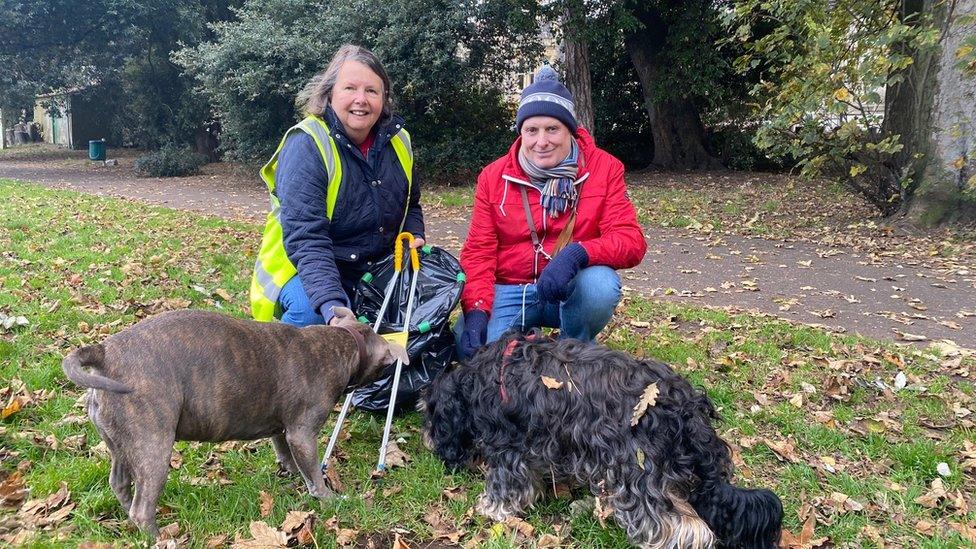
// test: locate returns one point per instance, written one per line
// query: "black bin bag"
(430, 342)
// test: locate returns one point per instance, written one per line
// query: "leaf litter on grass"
(758, 371)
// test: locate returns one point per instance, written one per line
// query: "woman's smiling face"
(357, 99)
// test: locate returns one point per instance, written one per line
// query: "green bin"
(96, 149)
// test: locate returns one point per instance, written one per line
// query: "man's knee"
(598, 287)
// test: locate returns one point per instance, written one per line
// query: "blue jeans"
(594, 295)
(296, 309)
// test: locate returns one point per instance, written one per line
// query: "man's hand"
(553, 284)
(475, 332)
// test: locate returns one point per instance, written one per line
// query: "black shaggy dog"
(667, 478)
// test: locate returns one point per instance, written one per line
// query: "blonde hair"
(316, 95)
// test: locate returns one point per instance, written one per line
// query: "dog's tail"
(93, 356)
(740, 517)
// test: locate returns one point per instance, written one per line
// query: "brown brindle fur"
(196, 375)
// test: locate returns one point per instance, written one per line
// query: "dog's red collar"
(360, 343)
(509, 349)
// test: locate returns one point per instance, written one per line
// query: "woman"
(551, 223)
(341, 186)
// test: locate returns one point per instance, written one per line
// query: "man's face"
(545, 141)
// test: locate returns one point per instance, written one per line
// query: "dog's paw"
(492, 509)
(287, 469)
(321, 493)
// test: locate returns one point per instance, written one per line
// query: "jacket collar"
(385, 128)
(512, 171)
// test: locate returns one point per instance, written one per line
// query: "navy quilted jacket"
(331, 255)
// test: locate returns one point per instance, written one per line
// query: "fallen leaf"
(13, 490)
(395, 457)
(647, 399)
(298, 526)
(552, 383)
(294, 520)
(936, 493)
(784, 449)
(804, 539)
(968, 532)
(223, 294)
(442, 529)
(263, 537)
(50, 510)
(455, 493)
(520, 526)
(267, 503)
(398, 542)
(170, 531)
(924, 527)
(213, 542)
(601, 511)
(332, 477)
(11, 409)
(548, 540)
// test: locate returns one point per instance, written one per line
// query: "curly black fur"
(583, 433)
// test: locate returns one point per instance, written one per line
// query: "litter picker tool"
(396, 337)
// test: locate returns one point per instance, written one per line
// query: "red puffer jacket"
(499, 249)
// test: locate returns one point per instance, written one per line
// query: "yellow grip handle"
(398, 253)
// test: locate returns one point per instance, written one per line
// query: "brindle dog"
(197, 375)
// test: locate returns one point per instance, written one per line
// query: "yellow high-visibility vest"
(273, 269)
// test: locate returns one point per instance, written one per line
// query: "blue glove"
(553, 284)
(475, 332)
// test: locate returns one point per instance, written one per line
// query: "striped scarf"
(557, 184)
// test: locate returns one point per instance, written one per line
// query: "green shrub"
(170, 161)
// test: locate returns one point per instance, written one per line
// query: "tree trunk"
(676, 127)
(933, 109)
(206, 141)
(576, 54)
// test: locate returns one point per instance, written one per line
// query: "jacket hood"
(583, 140)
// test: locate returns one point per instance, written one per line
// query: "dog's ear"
(346, 317)
(395, 351)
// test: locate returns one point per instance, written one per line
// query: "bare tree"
(576, 57)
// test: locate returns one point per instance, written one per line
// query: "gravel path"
(834, 287)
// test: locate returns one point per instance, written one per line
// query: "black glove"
(553, 284)
(475, 332)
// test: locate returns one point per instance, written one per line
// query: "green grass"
(449, 197)
(80, 267)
